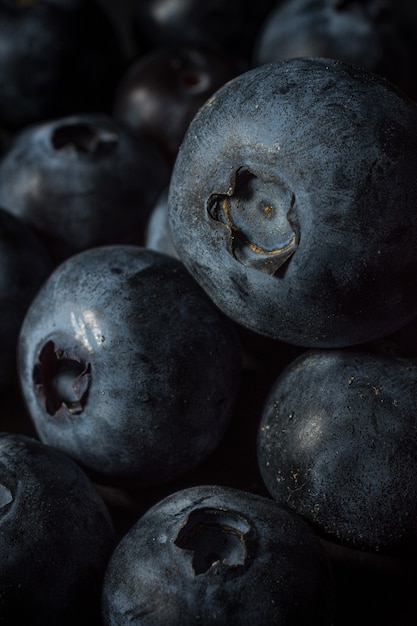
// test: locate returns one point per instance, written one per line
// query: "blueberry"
(56, 536)
(292, 202)
(217, 555)
(24, 266)
(337, 442)
(373, 34)
(127, 366)
(82, 181)
(169, 83)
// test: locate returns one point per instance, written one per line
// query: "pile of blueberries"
(208, 312)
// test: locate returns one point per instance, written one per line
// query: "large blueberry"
(218, 556)
(56, 536)
(126, 365)
(292, 202)
(337, 442)
(81, 181)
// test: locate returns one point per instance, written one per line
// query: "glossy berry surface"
(215, 555)
(56, 536)
(301, 226)
(337, 442)
(82, 181)
(127, 366)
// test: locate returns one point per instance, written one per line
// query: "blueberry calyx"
(220, 540)
(61, 381)
(258, 215)
(83, 138)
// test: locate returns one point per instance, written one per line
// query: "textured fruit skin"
(154, 368)
(82, 181)
(337, 442)
(327, 256)
(24, 266)
(56, 536)
(216, 555)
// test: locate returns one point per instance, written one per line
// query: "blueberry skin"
(126, 365)
(56, 537)
(82, 181)
(217, 555)
(372, 34)
(337, 442)
(292, 202)
(24, 266)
